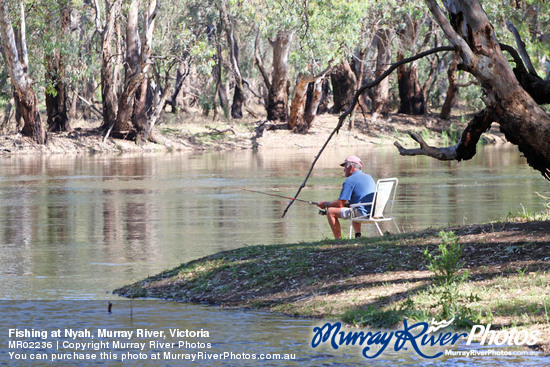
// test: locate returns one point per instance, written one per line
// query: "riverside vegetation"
(494, 273)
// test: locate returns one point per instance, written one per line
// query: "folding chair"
(380, 210)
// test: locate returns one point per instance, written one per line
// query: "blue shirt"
(358, 188)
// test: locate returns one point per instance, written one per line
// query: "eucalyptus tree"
(125, 113)
(227, 21)
(222, 29)
(277, 22)
(182, 48)
(17, 62)
(329, 30)
(111, 61)
(511, 99)
(56, 50)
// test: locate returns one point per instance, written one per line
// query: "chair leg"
(396, 226)
(378, 227)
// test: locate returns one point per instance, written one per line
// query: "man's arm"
(333, 204)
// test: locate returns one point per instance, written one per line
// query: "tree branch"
(521, 46)
(466, 53)
(463, 150)
(538, 88)
(23, 40)
(259, 62)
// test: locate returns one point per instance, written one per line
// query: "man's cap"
(352, 159)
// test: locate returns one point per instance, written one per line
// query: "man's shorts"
(345, 213)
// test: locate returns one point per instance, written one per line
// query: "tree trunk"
(277, 100)
(109, 81)
(238, 95)
(131, 119)
(56, 97)
(380, 95)
(343, 86)
(314, 97)
(411, 96)
(17, 65)
(325, 92)
(297, 108)
(452, 89)
(523, 122)
(56, 103)
(132, 74)
(238, 100)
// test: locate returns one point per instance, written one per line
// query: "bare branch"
(443, 154)
(515, 55)
(537, 87)
(259, 62)
(159, 106)
(521, 47)
(465, 148)
(91, 105)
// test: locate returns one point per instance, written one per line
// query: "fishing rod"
(322, 212)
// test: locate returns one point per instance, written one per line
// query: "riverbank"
(375, 281)
(195, 132)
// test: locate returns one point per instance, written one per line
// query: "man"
(357, 188)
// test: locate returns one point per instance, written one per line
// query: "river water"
(74, 228)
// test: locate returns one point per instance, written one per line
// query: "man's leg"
(332, 215)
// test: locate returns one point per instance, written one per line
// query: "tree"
(331, 29)
(54, 59)
(238, 95)
(380, 103)
(132, 119)
(126, 114)
(411, 96)
(279, 85)
(109, 74)
(507, 102)
(18, 66)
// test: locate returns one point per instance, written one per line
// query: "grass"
(375, 281)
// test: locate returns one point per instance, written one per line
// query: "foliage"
(446, 266)
(189, 33)
(532, 19)
(446, 263)
(529, 215)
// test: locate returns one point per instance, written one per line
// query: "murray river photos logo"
(419, 336)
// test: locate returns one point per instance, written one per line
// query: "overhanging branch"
(465, 148)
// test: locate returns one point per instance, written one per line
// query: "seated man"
(357, 188)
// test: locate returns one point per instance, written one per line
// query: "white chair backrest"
(384, 189)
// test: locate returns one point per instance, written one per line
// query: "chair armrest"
(360, 204)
